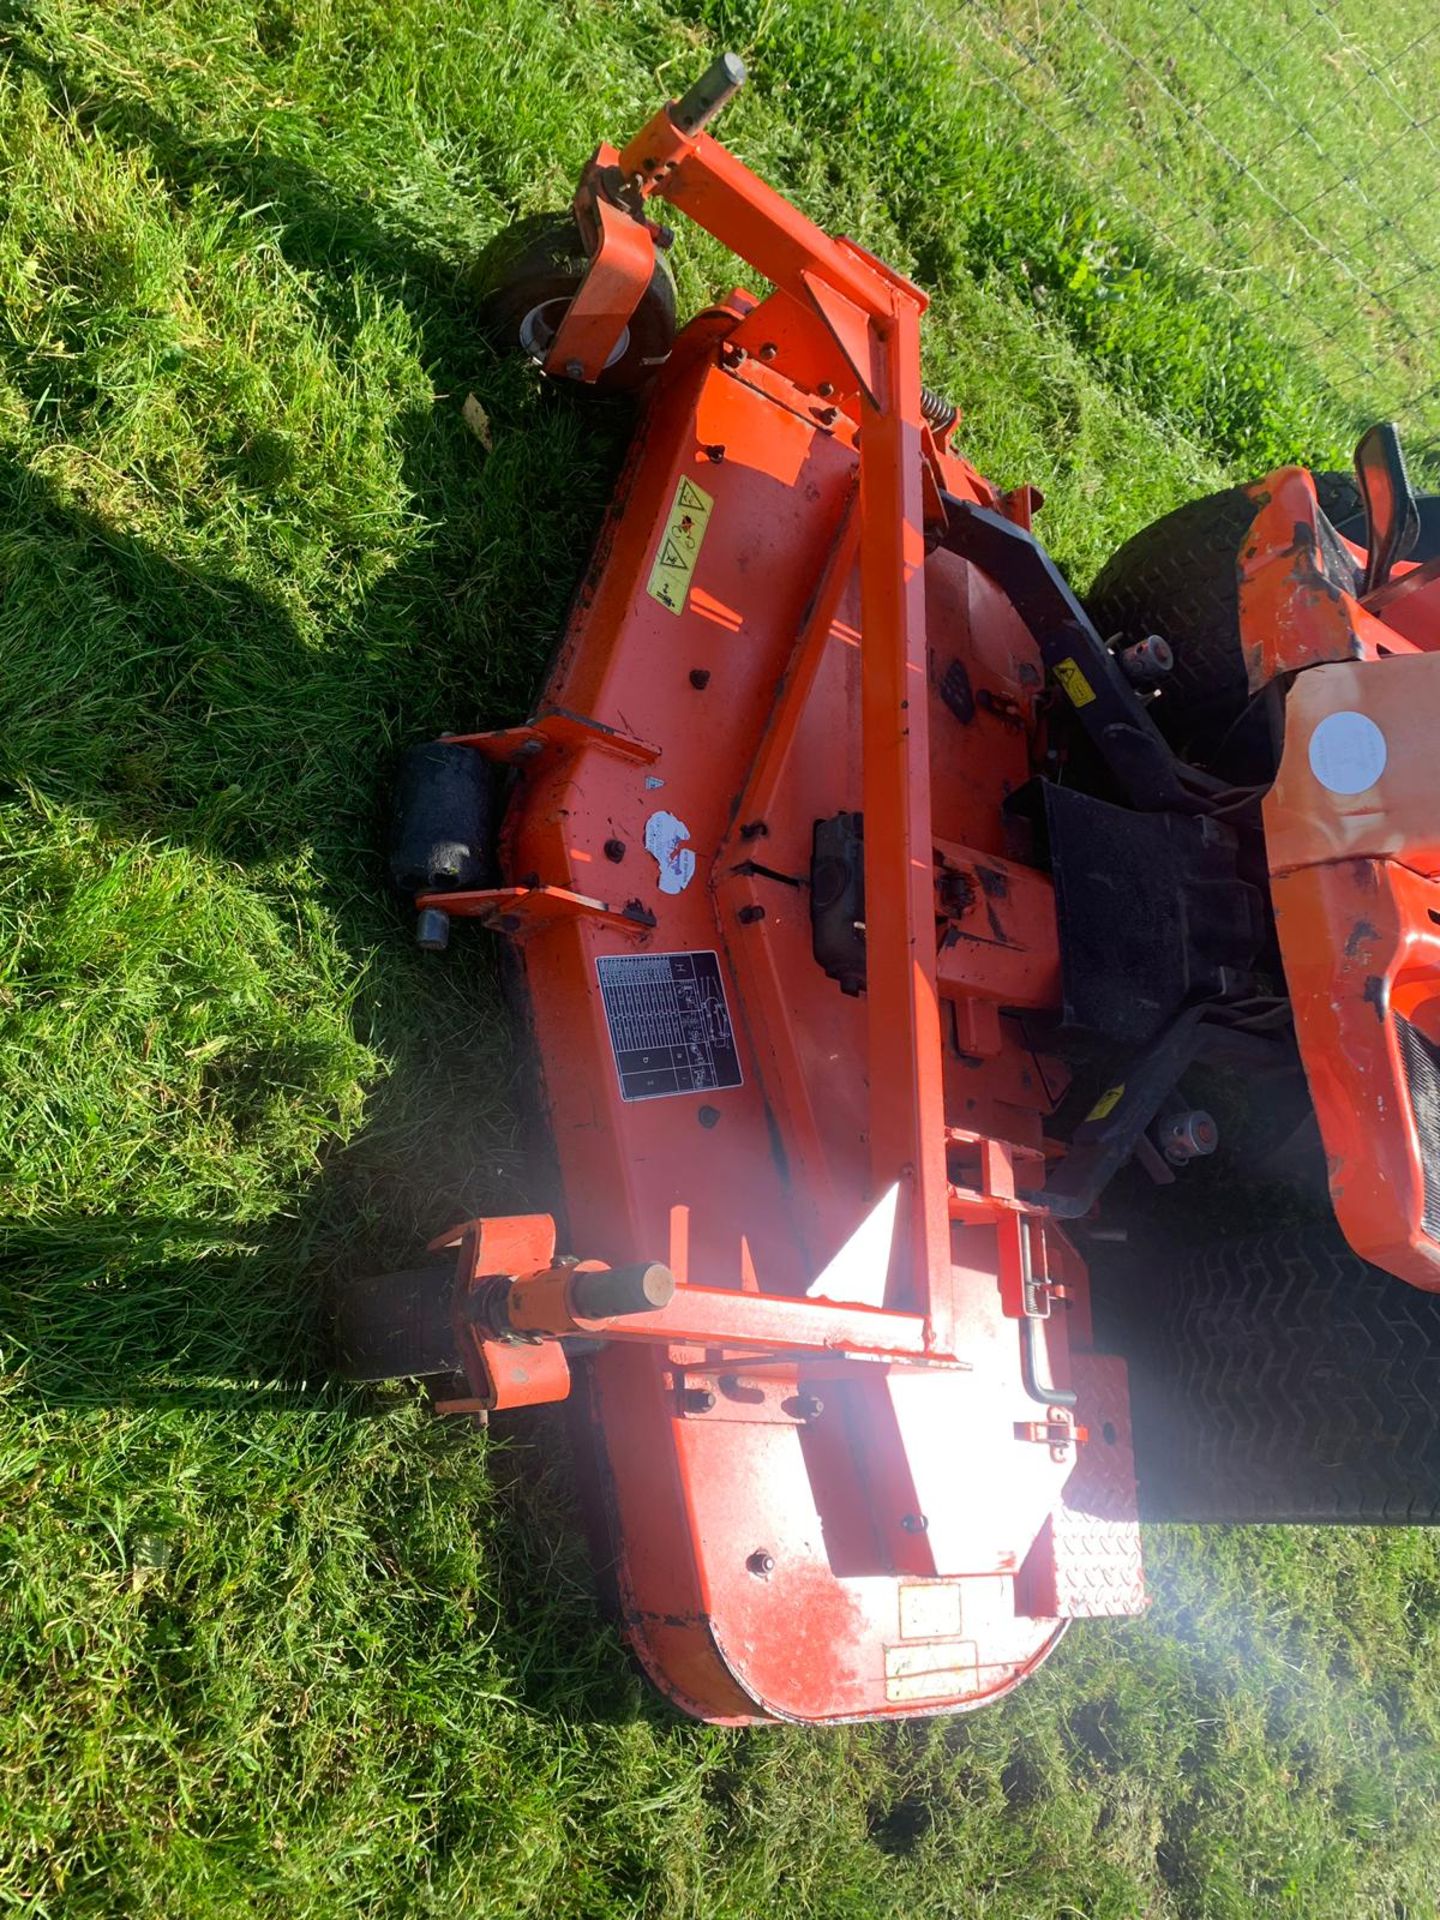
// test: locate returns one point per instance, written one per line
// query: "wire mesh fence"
(1290, 159)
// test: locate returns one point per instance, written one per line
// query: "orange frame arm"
(872, 317)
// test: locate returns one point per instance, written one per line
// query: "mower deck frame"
(863, 1461)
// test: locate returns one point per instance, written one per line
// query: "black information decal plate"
(669, 1024)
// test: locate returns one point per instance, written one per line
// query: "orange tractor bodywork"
(1352, 835)
(795, 964)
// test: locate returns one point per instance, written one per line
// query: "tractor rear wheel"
(1280, 1378)
(1179, 578)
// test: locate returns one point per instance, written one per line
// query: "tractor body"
(865, 923)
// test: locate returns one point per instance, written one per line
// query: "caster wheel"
(529, 274)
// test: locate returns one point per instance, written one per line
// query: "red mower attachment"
(790, 956)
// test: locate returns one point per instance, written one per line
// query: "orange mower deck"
(863, 1462)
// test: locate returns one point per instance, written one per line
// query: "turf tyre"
(1281, 1378)
(1179, 577)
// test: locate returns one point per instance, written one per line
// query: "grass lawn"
(1288, 155)
(270, 1647)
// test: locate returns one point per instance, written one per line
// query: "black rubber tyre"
(528, 274)
(1280, 1378)
(1179, 578)
(443, 820)
(396, 1326)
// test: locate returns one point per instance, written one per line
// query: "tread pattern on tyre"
(1281, 1378)
(1179, 577)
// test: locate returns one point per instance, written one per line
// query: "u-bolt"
(1032, 1359)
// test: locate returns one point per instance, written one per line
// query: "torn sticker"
(668, 840)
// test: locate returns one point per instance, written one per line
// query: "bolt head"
(1189, 1136)
(761, 1564)
(432, 930)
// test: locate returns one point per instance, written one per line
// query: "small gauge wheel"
(529, 274)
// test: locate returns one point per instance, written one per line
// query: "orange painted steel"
(1353, 845)
(1295, 612)
(622, 260)
(1362, 954)
(830, 1492)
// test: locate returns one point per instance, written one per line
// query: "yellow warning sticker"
(1108, 1100)
(1068, 673)
(679, 549)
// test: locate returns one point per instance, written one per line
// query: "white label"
(929, 1611)
(668, 839)
(946, 1669)
(1347, 752)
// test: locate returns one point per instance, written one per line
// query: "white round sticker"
(1347, 752)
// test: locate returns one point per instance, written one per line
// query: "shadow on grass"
(197, 708)
(219, 1325)
(152, 693)
(178, 703)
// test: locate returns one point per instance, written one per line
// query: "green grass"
(268, 1646)
(1286, 154)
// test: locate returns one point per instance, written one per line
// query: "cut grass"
(267, 1645)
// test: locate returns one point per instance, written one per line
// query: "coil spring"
(937, 411)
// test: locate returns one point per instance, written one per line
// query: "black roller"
(397, 1326)
(443, 821)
